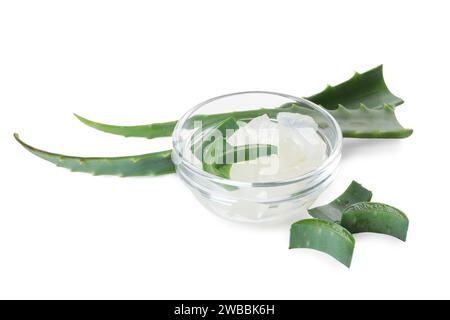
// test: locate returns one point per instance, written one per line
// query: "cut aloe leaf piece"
(218, 159)
(151, 164)
(368, 88)
(333, 211)
(323, 236)
(219, 131)
(377, 218)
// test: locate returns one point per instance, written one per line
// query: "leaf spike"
(388, 107)
(328, 88)
(342, 108)
(363, 107)
(356, 74)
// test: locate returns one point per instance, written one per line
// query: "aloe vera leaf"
(220, 164)
(355, 123)
(246, 115)
(323, 236)
(149, 131)
(375, 217)
(332, 212)
(219, 130)
(368, 88)
(151, 164)
(364, 122)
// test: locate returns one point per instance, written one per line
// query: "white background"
(71, 235)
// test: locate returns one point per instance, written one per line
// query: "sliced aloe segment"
(333, 211)
(219, 131)
(375, 217)
(151, 164)
(219, 156)
(323, 236)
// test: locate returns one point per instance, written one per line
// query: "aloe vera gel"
(300, 148)
(260, 150)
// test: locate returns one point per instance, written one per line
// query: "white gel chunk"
(300, 148)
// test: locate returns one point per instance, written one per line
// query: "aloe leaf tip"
(151, 164)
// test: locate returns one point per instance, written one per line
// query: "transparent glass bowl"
(260, 201)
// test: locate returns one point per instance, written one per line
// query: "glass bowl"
(254, 201)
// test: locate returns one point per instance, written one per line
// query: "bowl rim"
(180, 160)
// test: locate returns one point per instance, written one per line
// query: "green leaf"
(368, 88)
(323, 236)
(218, 131)
(369, 123)
(151, 164)
(348, 103)
(333, 211)
(149, 131)
(375, 217)
(220, 163)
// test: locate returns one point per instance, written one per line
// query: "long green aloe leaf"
(362, 122)
(323, 236)
(375, 217)
(333, 211)
(151, 164)
(344, 101)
